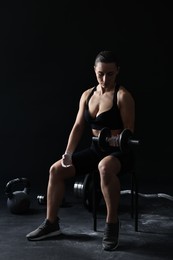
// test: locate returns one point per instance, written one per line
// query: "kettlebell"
(18, 202)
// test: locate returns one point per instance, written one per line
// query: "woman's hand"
(66, 160)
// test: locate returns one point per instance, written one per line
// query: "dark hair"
(107, 57)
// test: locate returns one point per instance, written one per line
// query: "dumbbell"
(125, 140)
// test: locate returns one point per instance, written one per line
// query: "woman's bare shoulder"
(124, 94)
(87, 92)
(123, 91)
(85, 95)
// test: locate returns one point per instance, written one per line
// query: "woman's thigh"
(85, 161)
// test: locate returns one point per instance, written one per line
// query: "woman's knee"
(102, 167)
(54, 170)
(109, 167)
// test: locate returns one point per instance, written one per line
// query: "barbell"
(125, 140)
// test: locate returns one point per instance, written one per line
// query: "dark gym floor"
(154, 240)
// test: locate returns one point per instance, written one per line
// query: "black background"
(47, 51)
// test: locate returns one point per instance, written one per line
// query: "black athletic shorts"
(87, 160)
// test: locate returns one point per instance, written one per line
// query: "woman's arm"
(78, 127)
(126, 105)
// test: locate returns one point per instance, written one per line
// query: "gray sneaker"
(45, 230)
(111, 236)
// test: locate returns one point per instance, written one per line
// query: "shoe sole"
(111, 249)
(55, 233)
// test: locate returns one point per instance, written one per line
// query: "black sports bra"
(111, 118)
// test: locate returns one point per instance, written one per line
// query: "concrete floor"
(79, 241)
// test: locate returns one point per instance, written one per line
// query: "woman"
(106, 105)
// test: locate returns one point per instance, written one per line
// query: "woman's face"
(106, 74)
